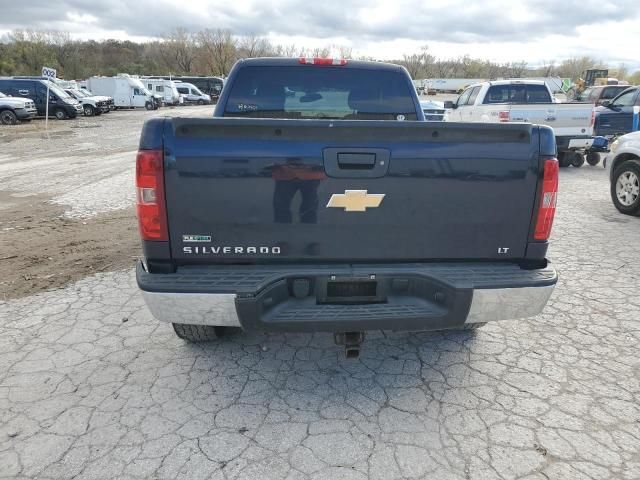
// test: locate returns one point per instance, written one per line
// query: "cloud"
(366, 24)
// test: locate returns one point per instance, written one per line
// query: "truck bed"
(566, 119)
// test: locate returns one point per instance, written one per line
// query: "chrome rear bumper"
(169, 299)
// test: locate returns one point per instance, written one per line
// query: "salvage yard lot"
(91, 386)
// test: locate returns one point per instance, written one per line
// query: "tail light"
(504, 116)
(152, 214)
(322, 61)
(548, 196)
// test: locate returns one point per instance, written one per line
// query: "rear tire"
(7, 117)
(593, 158)
(198, 333)
(577, 159)
(471, 326)
(625, 187)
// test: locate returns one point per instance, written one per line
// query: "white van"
(191, 94)
(166, 89)
(126, 92)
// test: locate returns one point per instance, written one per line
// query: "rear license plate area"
(350, 290)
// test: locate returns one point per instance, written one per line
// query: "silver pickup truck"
(528, 101)
(13, 109)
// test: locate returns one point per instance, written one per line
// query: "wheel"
(577, 159)
(200, 102)
(625, 187)
(89, 111)
(197, 333)
(7, 117)
(148, 106)
(60, 114)
(593, 158)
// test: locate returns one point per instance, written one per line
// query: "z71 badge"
(196, 238)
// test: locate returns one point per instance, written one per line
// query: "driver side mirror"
(606, 103)
(449, 104)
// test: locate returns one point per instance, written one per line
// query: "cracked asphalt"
(92, 387)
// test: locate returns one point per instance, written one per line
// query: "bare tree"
(516, 69)
(289, 51)
(621, 73)
(319, 52)
(179, 51)
(253, 46)
(417, 64)
(548, 68)
(634, 79)
(219, 48)
(444, 68)
(574, 67)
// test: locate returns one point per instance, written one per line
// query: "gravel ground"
(66, 198)
(92, 387)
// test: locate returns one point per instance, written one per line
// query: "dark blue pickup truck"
(318, 199)
(616, 117)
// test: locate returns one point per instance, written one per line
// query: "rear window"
(610, 92)
(518, 93)
(320, 92)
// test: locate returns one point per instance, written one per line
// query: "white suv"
(191, 94)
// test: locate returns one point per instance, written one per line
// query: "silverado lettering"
(227, 250)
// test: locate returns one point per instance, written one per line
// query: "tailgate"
(283, 190)
(566, 119)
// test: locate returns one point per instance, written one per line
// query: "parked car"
(326, 224)
(192, 94)
(528, 101)
(108, 101)
(127, 92)
(623, 165)
(616, 117)
(211, 86)
(433, 110)
(166, 89)
(90, 104)
(61, 104)
(600, 94)
(14, 110)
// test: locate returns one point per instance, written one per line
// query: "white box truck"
(127, 92)
(166, 89)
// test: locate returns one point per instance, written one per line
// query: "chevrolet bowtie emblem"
(355, 200)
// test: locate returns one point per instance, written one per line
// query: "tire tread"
(197, 333)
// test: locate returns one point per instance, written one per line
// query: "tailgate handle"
(356, 161)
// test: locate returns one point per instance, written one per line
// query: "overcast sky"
(499, 30)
